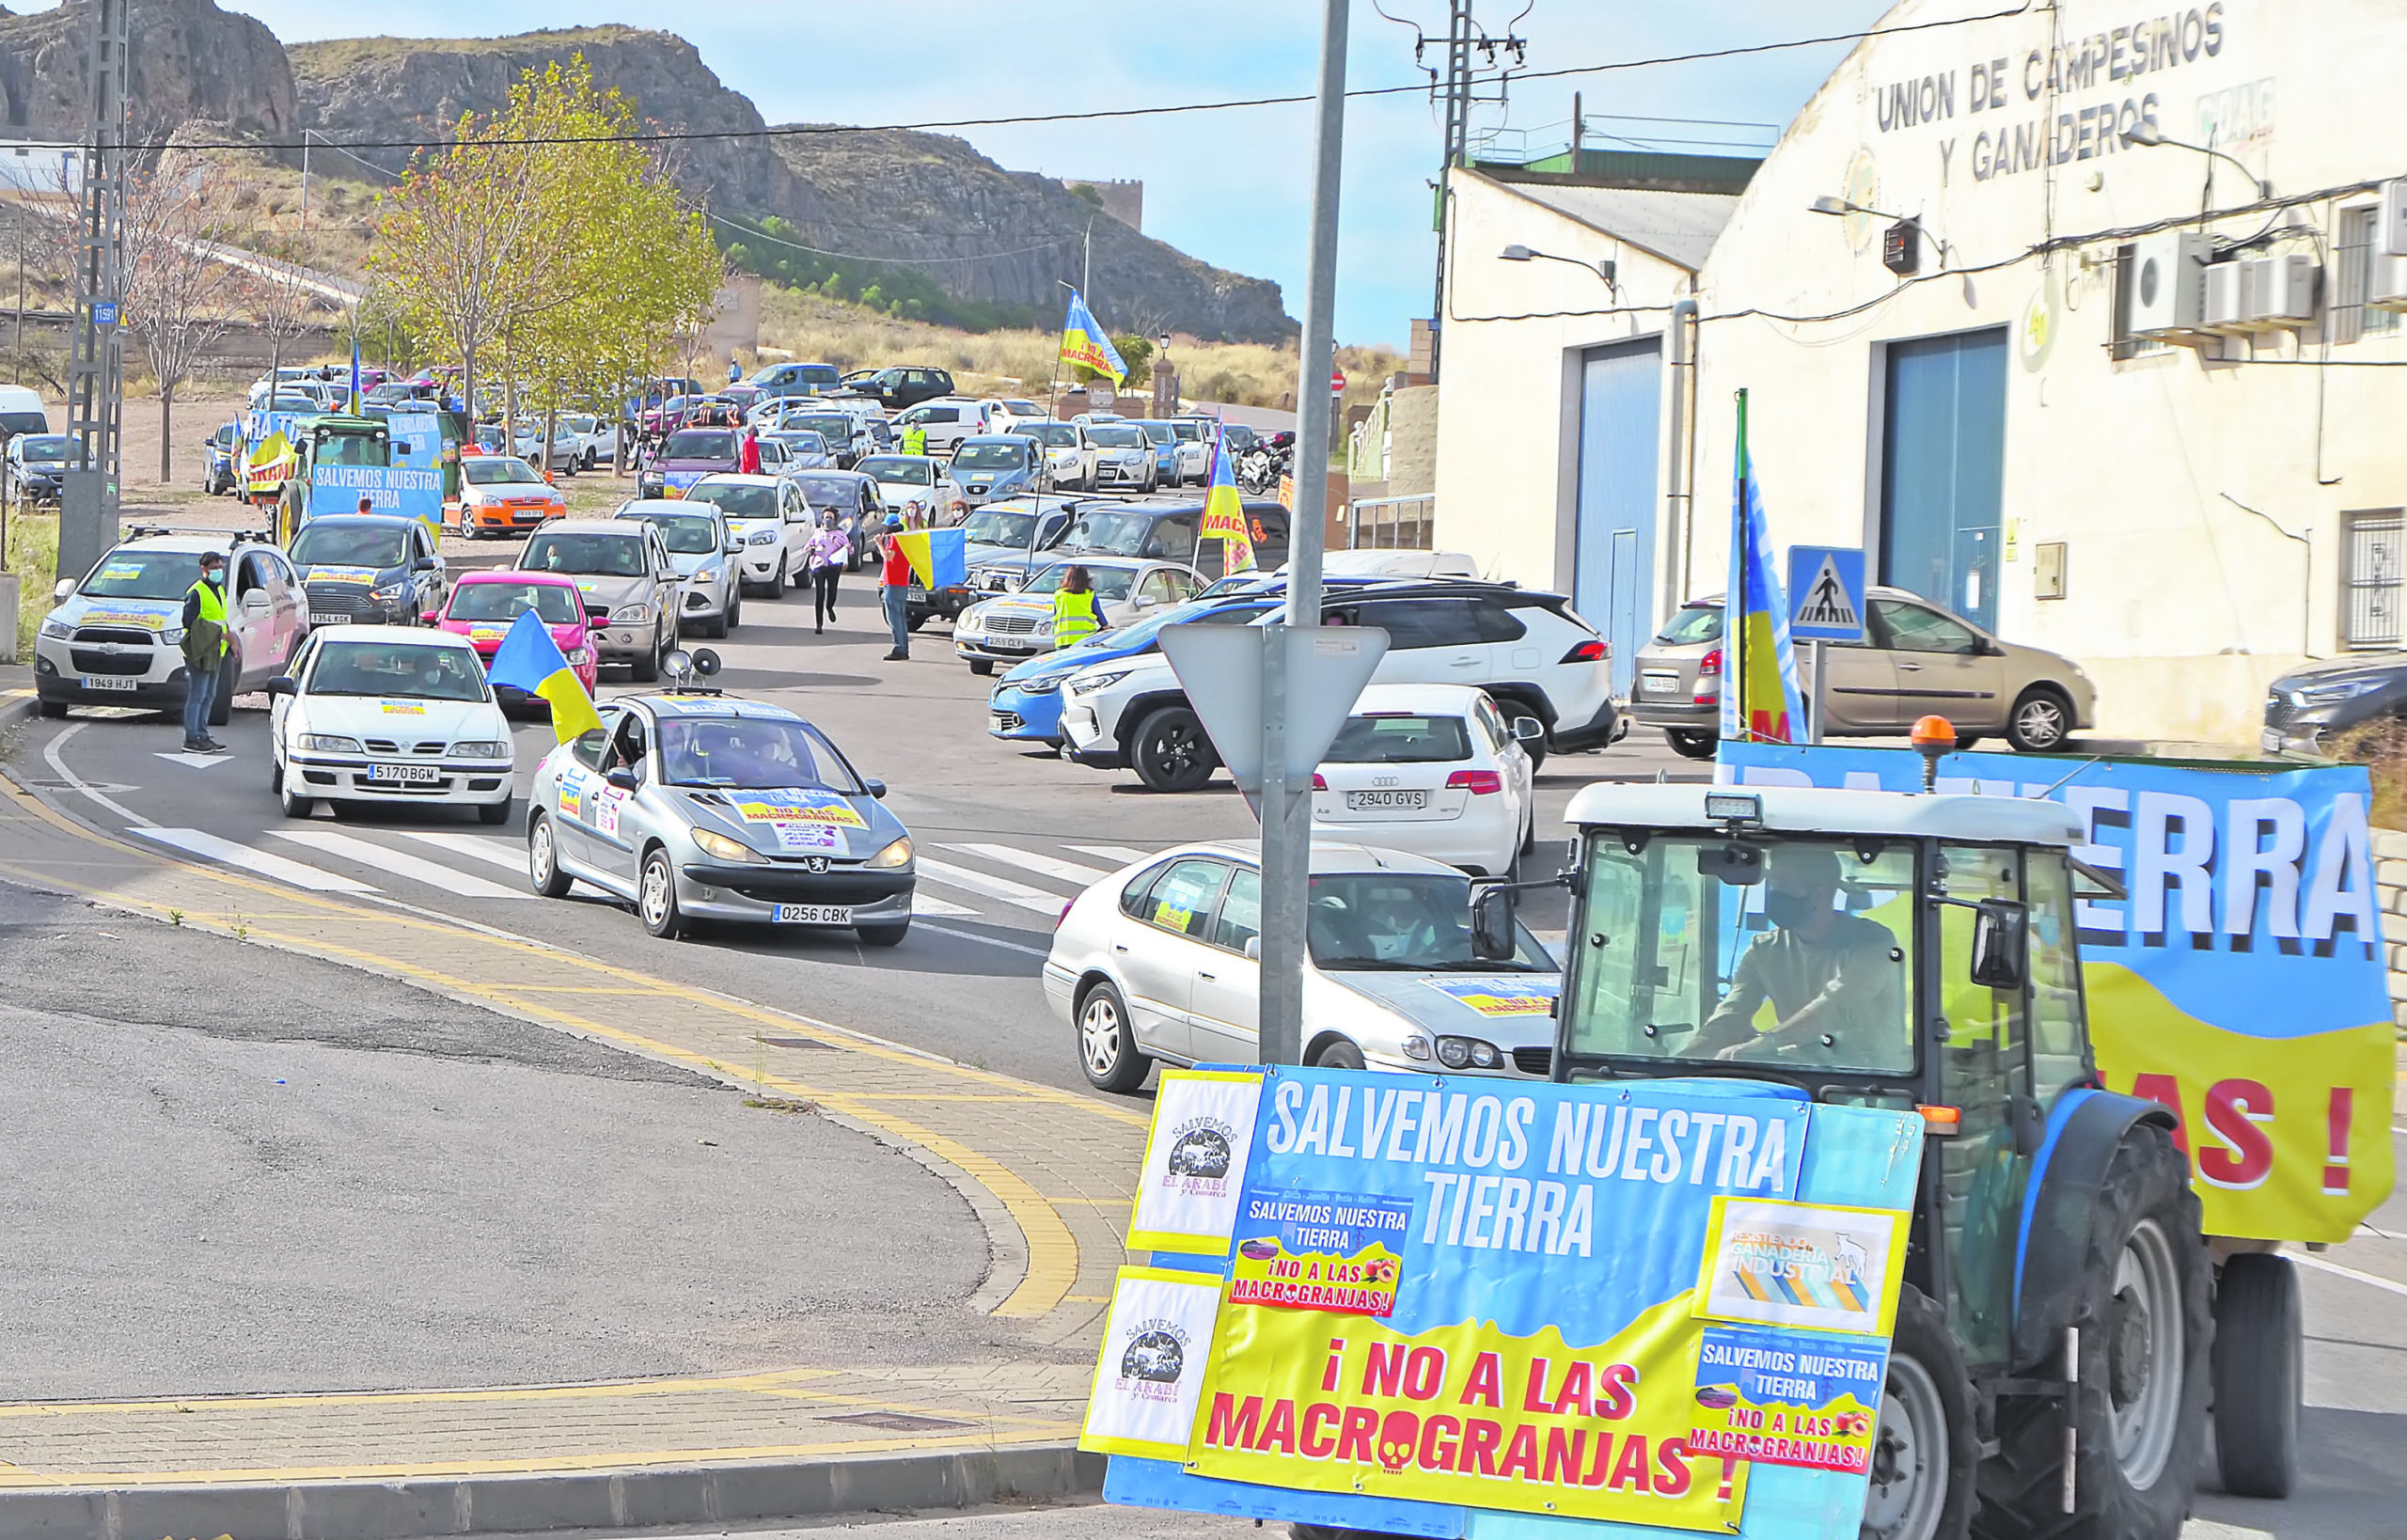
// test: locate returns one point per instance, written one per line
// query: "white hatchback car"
(1432, 769)
(388, 714)
(1160, 960)
(771, 517)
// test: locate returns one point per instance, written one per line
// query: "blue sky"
(1229, 187)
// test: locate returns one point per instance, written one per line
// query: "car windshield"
(1793, 952)
(830, 490)
(1387, 737)
(1187, 432)
(1053, 436)
(601, 556)
(1000, 527)
(1403, 922)
(990, 457)
(803, 441)
(834, 425)
(1117, 435)
(44, 446)
(144, 574)
(340, 449)
(1108, 582)
(350, 546)
(737, 499)
(487, 470)
(752, 754)
(684, 534)
(699, 443)
(1160, 432)
(1121, 534)
(912, 473)
(409, 670)
(504, 600)
(1692, 624)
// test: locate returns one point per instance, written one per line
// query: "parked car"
(1916, 659)
(484, 604)
(900, 388)
(1532, 654)
(567, 446)
(949, 422)
(853, 497)
(500, 493)
(769, 518)
(380, 715)
(991, 466)
(709, 806)
(2306, 708)
(629, 583)
(907, 479)
(115, 638)
(369, 569)
(1194, 435)
(803, 450)
(34, 466)
(1432, 769)
(1164, 436)
(708, 555)
(1171, 531)
(218, 455)
(1025, 703)
(685, 457)
(848, 436)
(1161, 961)
(594, 439)
(796, 379)
(1011, 627)
(1065, 453)
(1120, 455)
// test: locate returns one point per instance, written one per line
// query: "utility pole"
(87, 503)
(1454, 88)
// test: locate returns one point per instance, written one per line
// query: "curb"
(648, 1498)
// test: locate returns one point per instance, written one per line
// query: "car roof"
(644, 508)
(190, 542)
(370, 521)
(1429, 700)
(411, 636)
(968, 439)
(725, 479)
(588, 525)
(672, 702)
(1822, 810)
(1328, 856)
(513, 575)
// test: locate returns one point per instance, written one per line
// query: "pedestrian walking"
(205, 648)
(894, 579)
(830, 548)
(748, 453)
(1075, 613)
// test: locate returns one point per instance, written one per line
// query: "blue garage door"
(1943, 469)
(1621, 403)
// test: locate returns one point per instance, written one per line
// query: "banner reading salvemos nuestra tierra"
(2241, 982)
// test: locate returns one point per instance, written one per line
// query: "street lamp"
(2143, 134)
(1841, 207)
(1606, 267)
(1900, 244)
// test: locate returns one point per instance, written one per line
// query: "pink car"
(484, 604)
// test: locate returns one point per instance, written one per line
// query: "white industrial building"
(2061, 402)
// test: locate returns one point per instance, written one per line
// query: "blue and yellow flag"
(1084, 344)
(528, 659)
(355, 377)
(1760, 701)
(1224, 514)
(939, 558)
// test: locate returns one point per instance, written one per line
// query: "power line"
(750, 233)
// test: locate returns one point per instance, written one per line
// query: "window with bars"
(2370, 591)
(2357, 261)
(2125, 344)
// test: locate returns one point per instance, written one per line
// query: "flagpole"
(1733, 602)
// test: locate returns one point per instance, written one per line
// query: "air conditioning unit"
(2168, 275)
(2386, 284)
(2280, 291)
(2225, 311)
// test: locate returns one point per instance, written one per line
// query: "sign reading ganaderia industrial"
(2241, 980)
(1494, 1295)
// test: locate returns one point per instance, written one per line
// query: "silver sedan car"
(698, 805)
(708, 555)
(1916, 660)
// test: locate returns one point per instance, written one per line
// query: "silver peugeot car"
(695, 805)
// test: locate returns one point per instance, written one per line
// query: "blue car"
(1026, 702)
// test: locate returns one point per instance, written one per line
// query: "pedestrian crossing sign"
(1825, 593)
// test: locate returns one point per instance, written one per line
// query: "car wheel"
(715, 627)
(2040, 723)
(496, 812)
(291, 798)
(656, 897)
(646, 670)
(1534, 748)
(543, 871)
(229, 674)
(54, 709)
(1691, 745)
(1170, 753)
(1338, 1053)
(883, 936)
(734, 611)
(1107, 1051)
(981, 666)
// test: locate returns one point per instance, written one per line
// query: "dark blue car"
(1027, 703)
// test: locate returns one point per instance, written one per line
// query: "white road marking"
(2390, 1285)
(400, 864)
(199, 842)
(197, 761)
(1115, 853)
(1048, 905)
(923, 905)
(1044, 866)
(984, 940)
(50, 754)
(506, 853)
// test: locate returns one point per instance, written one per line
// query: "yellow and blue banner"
(1084, 344)
(354, 407)
(1760, 701)
(2242, 980)
(939, 557)
(529, 660)
(1224, 514)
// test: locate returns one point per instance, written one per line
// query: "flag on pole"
(528, 659)
(1224, 514)
(939, 557)
(1083, 342)
(1760, 701)
(355, 377)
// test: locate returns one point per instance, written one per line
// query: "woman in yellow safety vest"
(1076, 614)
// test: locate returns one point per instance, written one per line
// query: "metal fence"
(1392, 523)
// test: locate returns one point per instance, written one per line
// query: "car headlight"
(390, 591)
(706, 574)
(897, 853)
(2326, 695)
(1468, 1052)
(172, 635)
(1099, 681)
(631, 614)
(480, 748)
(719, 847)
(1416, 1046)
(319, 743)
(762, 537)
(57, 630)
(578, 654)
(1041, 685)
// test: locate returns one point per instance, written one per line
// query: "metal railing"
(1392, 523)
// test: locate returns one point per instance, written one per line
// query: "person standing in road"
(894, 589)
(915, 439)
(1076, 614)
(205, 648)
(734, 369)
(824, 559)
(748, 453)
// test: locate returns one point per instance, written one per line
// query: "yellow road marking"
(776, 1379)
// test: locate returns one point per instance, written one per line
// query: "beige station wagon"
(1916, 660)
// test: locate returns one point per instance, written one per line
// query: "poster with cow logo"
(1195, 1161)
(1150, 1374)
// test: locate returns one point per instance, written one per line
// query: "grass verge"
(33, 555)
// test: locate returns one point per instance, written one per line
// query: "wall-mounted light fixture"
(2143, 134)
(1606, 269)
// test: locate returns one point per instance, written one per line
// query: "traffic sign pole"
(1825, 605)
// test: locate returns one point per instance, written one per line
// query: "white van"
(20, 412)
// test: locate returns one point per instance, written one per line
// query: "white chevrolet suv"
(1527, 649)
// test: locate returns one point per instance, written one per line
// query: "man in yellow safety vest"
(205, 648)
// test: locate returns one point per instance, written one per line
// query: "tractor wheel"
(1927, 1446)
(2257, 1373)
(2140, 1409)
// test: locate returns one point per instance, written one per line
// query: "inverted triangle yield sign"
(1220, 668)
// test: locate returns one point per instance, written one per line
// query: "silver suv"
(115, 639)
(630, 585)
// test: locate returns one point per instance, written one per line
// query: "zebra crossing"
(986, 880)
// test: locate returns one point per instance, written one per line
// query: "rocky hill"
(190, 61)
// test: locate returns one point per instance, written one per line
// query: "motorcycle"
(1259, 469)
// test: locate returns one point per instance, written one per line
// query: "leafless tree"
(182, 290)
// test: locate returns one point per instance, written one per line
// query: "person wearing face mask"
(831, 546)
(205, 648)
(1825, 973)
